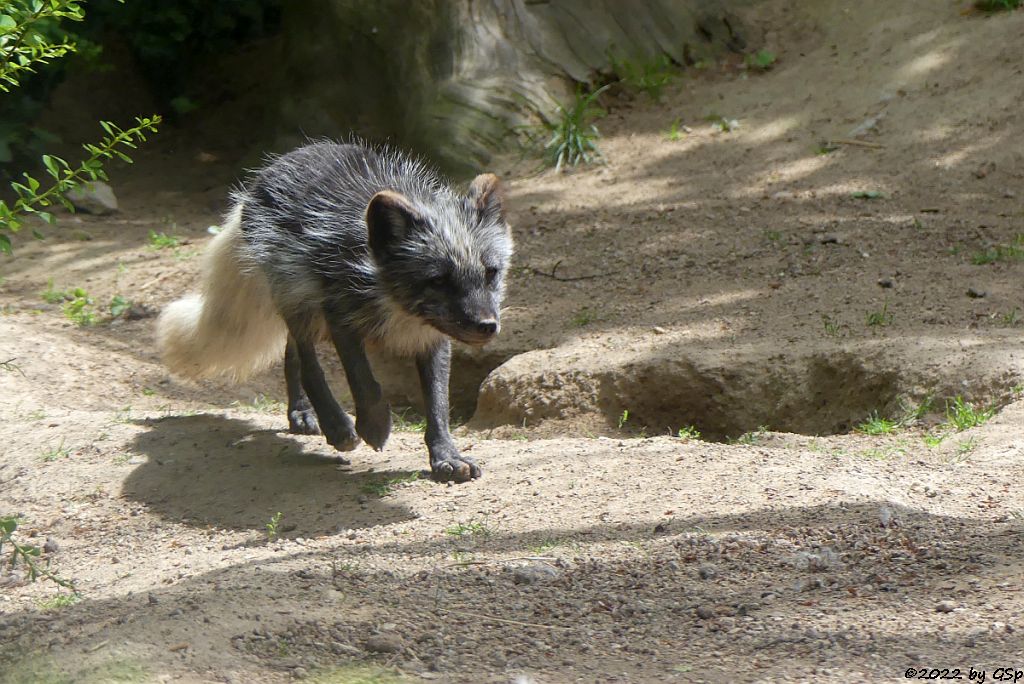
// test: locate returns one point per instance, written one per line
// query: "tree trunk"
(452, 78)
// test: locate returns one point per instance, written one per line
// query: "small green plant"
(119, 306)
(677, 130)
(382, 488)
(59, 451)
(51, 295)
(825, 147)
(163, 240)
(403, 423)
(1010, 319)
(875, 425)
(265, 404)
(762, 60)
(773, 236)
(573, 133)
(650, 76)
(962, 415)
(688, 432)
(964, 448)
(911, 413)
(623, 418)
(1011, 252)
(60, 600)
(723, 124)
(831, 325)
(934, 439)
(79, 309)
(584, 316)
(997, 5)
(753, 437)
(882, 453)
(27, 555)
(273, 526)
(880, 318)
(473, 528)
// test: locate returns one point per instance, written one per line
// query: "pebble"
(707, 571)
(95, 197)
(531, 574)
(975, 293)
(384, 643)
(946, 606)
(705, 613)
(886, 283)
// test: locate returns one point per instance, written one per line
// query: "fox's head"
(443, 259)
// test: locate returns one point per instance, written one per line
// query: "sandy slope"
(587, 552)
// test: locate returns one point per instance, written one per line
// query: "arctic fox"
(360, 246)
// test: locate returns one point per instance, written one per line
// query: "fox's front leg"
(446, 464)
(373, 413)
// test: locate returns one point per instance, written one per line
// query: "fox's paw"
(373, 423)
(303, 422)
(450, 466)
(340, 434)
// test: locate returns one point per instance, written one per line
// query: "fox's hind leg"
(446, 463)
(373, 413)
(301, 416)
(334, 423)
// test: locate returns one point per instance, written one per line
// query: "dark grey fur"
(371, 247)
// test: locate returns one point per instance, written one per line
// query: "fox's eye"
(490, 274)
(438, 281)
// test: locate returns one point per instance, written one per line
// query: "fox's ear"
(487, 196)
(390, 217)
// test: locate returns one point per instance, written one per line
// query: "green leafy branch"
(28, 555)
(32, 201)
(22, 45)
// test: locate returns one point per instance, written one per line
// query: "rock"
(94, 197)
(51, 545)
(705, 613)
(830, 239)
(886, 283)
(975, 293)
(534, 573)
(153, 600)
(384, 643)
(946, 606)
(707, 571)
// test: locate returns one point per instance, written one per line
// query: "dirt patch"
(749, 283)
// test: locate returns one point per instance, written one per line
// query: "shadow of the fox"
(213, 471)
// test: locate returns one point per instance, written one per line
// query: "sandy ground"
(728, 282)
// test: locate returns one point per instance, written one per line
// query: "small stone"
(153, 600)
(51, 545)
(946, 606)
(707, 571)
(705, 613)
(94, 197)
(658, 330)
(975, 293)
(531, 574)
(830, 239)
(384, 643)
(300, 673)
(886, 283)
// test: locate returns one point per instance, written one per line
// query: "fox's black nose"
(487, 327)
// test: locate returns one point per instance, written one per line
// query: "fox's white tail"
(232, 329)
